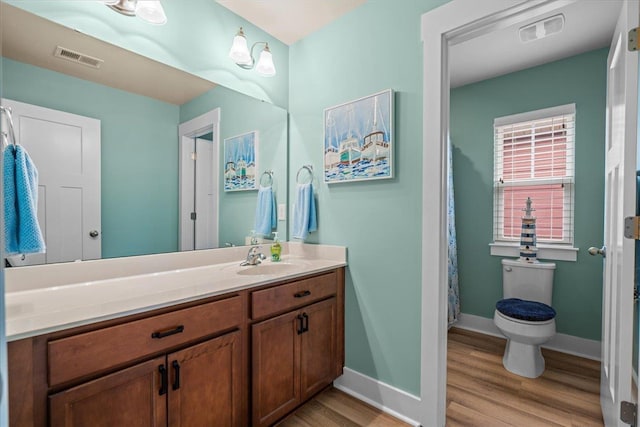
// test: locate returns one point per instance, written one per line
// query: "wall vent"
(80, 58)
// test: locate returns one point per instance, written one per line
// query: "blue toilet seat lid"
(531, 311)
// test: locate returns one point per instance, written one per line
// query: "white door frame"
(201, 125)
(442, 27)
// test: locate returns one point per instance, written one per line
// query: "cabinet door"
(205, 384)
(130, 397)
(276, 367)
(318, 346)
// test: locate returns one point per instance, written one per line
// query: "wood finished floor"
(480, 392)
(332, 408)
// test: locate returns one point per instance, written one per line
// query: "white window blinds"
(534, 157)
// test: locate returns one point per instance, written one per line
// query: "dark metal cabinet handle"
(302, 294)
(305, 322)
(300, 324)
(162, 334)
(176, 379)
(163, 380)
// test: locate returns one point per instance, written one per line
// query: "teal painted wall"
(196, 39)
(375, 47)
(241, 114)
(581, 79)
(139, 154)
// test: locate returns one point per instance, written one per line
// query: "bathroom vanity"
(246, 349)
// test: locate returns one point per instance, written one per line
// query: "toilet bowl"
(525, 316)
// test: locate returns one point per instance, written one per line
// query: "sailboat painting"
(240, 162)
(358, 139)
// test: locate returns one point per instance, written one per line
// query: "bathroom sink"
(264, 269)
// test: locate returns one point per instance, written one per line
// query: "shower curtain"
(453, 298)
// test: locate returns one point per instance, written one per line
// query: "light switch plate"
(282, 212)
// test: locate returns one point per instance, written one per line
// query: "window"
(534, 157)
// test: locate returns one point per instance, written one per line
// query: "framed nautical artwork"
(358, 139)
(241, 162)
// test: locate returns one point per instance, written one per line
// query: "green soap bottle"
(276, 248)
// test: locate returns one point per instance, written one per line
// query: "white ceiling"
(589, 24)
(290, 20)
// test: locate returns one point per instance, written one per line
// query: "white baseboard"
(570, 344)
(389, 399)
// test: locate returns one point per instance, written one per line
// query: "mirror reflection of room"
(105, 142)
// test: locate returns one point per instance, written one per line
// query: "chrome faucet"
(253, 257)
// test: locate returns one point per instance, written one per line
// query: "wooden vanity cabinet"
(298, 353)
(184, 366)
(197, 386)
(207, 389)
(243, 358)
(128, 397)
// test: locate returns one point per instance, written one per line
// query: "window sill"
(547, 252)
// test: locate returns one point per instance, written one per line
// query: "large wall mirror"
(139, 105)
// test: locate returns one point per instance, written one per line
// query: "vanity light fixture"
(147, 10)
(543, 28)
(243, 58)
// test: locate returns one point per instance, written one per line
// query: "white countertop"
(138, 284)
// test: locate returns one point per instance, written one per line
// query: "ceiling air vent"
(80, 58)
(541, 29)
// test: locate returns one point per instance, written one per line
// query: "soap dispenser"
(276, 248)
(254, 238)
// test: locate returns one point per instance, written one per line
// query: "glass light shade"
(265, 65)
(110, 1)
(239, 51)
(151, 11)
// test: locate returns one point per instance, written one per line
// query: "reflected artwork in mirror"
(139, 105)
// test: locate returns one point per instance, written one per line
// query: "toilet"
(525, 315)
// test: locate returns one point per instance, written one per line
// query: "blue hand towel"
(22, 231)
(266, 219)
(304, 212)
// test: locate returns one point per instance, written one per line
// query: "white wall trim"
(590, 349)
(450, 23)
(389, 399)
(550, 252)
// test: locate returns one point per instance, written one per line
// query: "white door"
(199, 182)
(66, 151)
(205, 196)
(620, 183)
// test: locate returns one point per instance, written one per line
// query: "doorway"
(199, 147)
(444, 27)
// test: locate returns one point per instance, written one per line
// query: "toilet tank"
(530, 281)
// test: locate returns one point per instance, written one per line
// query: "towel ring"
(12, 135)
(268, 174)
(309, 169)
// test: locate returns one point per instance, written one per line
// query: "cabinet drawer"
(103, 349)
(285, 297)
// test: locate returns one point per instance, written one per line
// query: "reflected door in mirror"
(66, 151)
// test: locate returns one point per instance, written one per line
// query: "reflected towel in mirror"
(304, 212)
(21, 228)
(266, 219)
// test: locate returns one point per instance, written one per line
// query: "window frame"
(547, 249)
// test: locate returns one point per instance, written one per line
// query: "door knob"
(595, 251)
(94, 233)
